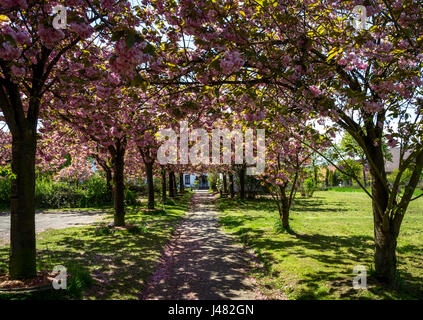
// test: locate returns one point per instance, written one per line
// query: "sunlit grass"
(331, 233)
(119, 261)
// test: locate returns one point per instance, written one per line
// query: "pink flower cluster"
(315, 91)
(7, 4)
(83, 30)
(373, 107)
(107, 4)
(127, 59)
(9, 52)
(232, 62)
(20, 37)
(49, 36)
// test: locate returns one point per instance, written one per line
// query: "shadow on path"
(201, 261)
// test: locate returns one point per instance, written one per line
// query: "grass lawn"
(332, 233)
(108, 264)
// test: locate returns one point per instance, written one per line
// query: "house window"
(187, 180)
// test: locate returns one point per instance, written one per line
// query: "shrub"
(130, 197)
(96, 191)
(4, 192)
(53, 194)
(213, 180)
(309, 187)
(170, 202)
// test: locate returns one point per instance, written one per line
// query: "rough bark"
(181, 183)
(242, 183)
(175, 187)
(385, 240)
(388, 216)
(225, 185)
(231, 185)
(109, 185)
(171, 185)
(22, 263)
(150, 184)
(119, 185)
(284, 207)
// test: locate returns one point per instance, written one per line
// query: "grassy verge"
(105, 263)
(332, 233)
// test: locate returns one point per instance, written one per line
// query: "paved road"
(52, 220)
(201, 261)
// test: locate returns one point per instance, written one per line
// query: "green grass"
(331, 233)
(114, 264)
(347, 189)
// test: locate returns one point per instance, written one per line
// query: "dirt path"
(201, 261)
(52, 220)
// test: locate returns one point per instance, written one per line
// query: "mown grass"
(331, 233)
(113, 264)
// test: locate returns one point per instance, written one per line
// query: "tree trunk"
(150, 184)
(119, 186)
(181, 183)
(225, 185)
(242, 183)
(163, 185)
(231, 185)
(384, 229)
(385, 239)
(175, 187)
(109, 184)
(385, 256)
(364, 176)
(171, 185)
(284, 215)
(22, 263)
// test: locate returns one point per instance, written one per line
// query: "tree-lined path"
(201, 261)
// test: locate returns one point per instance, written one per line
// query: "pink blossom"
(315, 91)
(17, 72)
(83, 30)
(232, 62)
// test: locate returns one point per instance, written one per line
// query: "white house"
(190, 180)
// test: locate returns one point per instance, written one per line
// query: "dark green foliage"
(53, 194)
(79, 279)
(309, 187)
(130, 197)
(170, 202)
(4, 192)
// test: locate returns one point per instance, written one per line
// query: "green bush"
(4, 192)
(309, 187)
(96, 191)
(53, 194)
(213, 180)
(49, 194)
(130, 197)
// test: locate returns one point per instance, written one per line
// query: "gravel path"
(52, 220)
(201, 261)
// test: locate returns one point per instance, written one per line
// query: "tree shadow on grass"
(332, 251)
(315, 204)
(118, 261)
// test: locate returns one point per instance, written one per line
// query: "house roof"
(394, 164)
